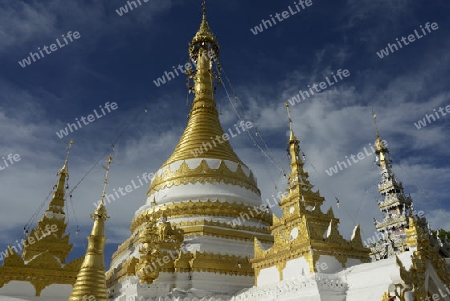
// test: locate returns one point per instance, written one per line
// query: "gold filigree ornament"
(202, 174)
(159, 247)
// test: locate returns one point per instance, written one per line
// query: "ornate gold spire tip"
(105, 182)
(101, 209)
(64, 168)
(68, 151)
(204, 39)
(375, 122)
(204, 9)
(289, 115)
(291, 130)
(380, 146)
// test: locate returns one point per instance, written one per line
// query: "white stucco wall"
(268, 276)
(296, 267)
(25, 291)
(328, 264)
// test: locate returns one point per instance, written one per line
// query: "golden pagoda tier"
(185, 240)
(306, 240)
(41, 269)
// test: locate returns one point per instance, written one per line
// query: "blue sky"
(117, 58)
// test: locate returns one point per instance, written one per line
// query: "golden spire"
(291, 131)
(55, 241)
(380, 149)
(204, 39)
(375, 122)
(298, 179)
(204, 126)
(91, 280)
(303, 230)
(57, 203)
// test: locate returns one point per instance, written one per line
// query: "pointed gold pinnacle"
(375, 122)
(105, 182)
(289, 115)
(68, 151)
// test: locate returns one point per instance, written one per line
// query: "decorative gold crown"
(203, 174)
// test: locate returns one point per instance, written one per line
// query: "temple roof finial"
(204, 9)
(375, 122)
(68, 151)
(204, 39)
(59, 194)
(105, 182)
(64, 168)
(380, 147)
(291, 131)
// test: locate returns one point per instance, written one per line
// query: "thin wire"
(255, 143)
(132, 120)
(363, 199)
(343, 208)
(276, 164)
(250, 241)
(36, 213)
(247, 114)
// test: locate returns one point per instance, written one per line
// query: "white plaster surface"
(295, 268)
(21, 291)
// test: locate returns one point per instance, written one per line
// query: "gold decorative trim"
(41, 272)
(204, 222)
(203, 174)
(221, 264)
(200, 229)
(198, 208)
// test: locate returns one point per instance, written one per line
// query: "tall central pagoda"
(183, 241)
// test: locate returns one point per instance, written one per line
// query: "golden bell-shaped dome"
(203, 137)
